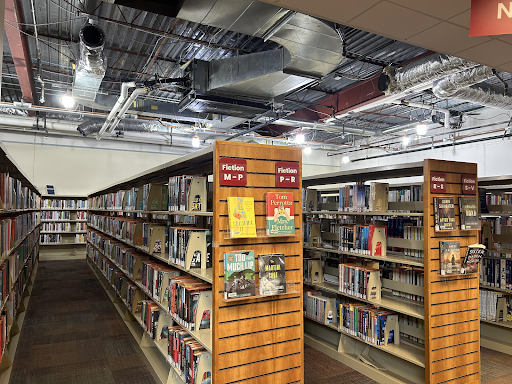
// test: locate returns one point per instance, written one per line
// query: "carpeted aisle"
(72, 334)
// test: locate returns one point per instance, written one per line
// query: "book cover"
(239, 270)
(450, 257)
(242, 222)
(472, 258)
(469, 213)
(280, 214)
(445, 213)
(272, 274)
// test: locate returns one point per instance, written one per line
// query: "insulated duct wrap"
(398, 80)
(134, 125)
(450, 85)
(92, 65)
(484, 96)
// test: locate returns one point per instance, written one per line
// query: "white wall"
(79, 166)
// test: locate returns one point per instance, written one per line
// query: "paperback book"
(450, 257)
(272, 274)
(239, 271)
(280, 214)
(444, 211)
(469, 213)
(242, 222)
(472, 258)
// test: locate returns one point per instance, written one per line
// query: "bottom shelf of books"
(177, 354)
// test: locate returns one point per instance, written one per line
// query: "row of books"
(55, 215)
(194, 241)
(406, 275)
(22, 252)
(56, 227)
(80, 227)
(12, 230)
(496, 273)
(4, 282)
(184, 294)
(15, 196)
(64, 203)
(320, 308)
(359, 281)
(397, 226)
(150, 312)
(488, 306)
(80, 238)
(366, 322)
(4, 337)
(406, 194)
(155, 279)
(498, 199)
(22, 278)
(411, 322)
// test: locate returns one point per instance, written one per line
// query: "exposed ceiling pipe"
(464, 86)
(394, 81)
(120, 101)
(280, 24)
(446, 112)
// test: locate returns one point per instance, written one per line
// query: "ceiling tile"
(339, 11)
(507, 67)
(436, 39)
(441, 9)
(505, 38)
(393, 21)
(492, 53)
(461, 19)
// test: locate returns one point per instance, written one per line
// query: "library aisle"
(72, 333)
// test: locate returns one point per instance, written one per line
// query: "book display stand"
(64, 227)
(449, 307)
(252, 340)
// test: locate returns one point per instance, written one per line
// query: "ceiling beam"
(20, 50)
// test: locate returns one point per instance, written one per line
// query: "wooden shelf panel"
(402, 306)
(393, 257)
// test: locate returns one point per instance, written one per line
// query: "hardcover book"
(272, 274)
(450, 257)
(239, 274)
(242, 222)
(472, 258)
(280, 214)
(444, 210)
(469, 213)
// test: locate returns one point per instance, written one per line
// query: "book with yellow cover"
(241, 217)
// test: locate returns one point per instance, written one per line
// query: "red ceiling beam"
(19, 50)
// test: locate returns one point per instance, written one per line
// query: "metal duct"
(463, 86)
(394, 81)
(91, 66)
(134, 125)
(315, 48)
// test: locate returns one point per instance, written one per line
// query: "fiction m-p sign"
(233, 172)
(490, 17)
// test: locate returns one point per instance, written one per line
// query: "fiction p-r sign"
(233, 172)
(468, 184)
(287, 174)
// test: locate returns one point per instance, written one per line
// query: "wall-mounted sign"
(437, 182)
(287, 174)
(490, 17)
(233, 172)
(469, 184)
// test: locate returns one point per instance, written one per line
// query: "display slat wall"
(452, 323)
(257, 340)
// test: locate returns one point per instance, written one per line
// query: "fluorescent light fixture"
(280, 24)
(67, 100)
(299, 137)
(421, 129)
(345, 160)
(405, 140)
(195, 141)
(307, 150)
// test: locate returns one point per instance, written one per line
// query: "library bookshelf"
(19, 255)
(253, 340)
(495, 330)
(63, 227)
(449, 311)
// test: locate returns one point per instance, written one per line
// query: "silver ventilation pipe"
(464, 86)
(91, 66)
(395, 81)
(134, 125)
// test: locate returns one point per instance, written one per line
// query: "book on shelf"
(184, 295)
(239, 275)
(242, 222)
(320, 308)
(310, 199)
(450, 257)
(360, 281)
(474, 254)
(280, 213)
(379, 193)
(469, 213)
(407, 275)
(187, 193)
(272, 274)
(149, 315)
(312, 270)
(367, 322)
(190, 247)
(444, 214)
(406, 194)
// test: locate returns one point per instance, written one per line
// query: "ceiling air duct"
(464, 86)
(91, 66)
(395, 81)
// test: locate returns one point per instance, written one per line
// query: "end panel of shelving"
(259, 336)
(452, 320)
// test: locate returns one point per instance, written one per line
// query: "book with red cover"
(280, 214)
